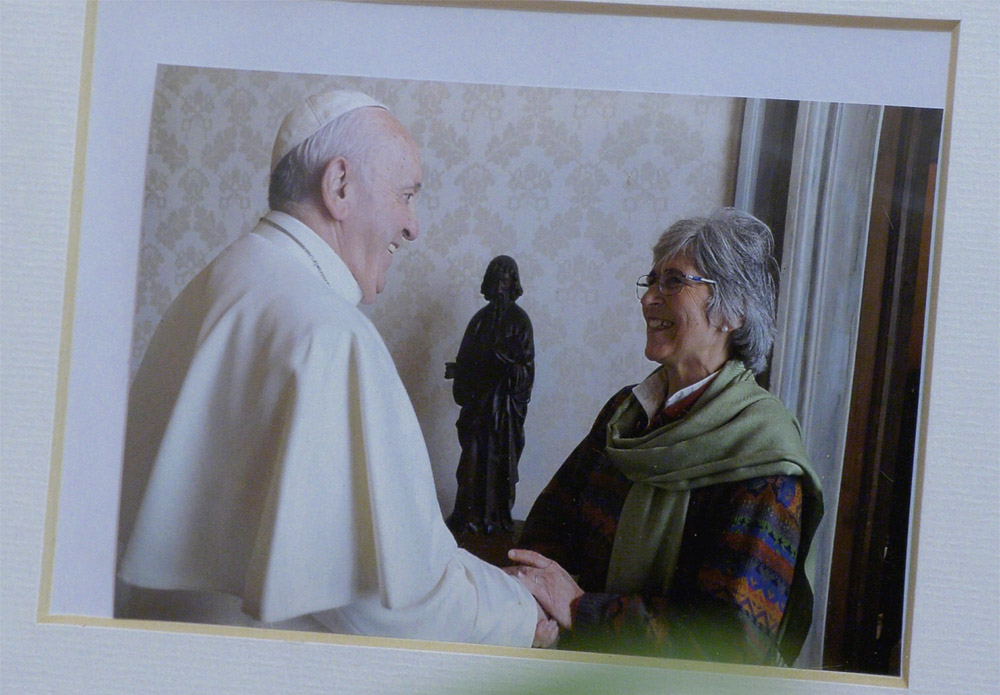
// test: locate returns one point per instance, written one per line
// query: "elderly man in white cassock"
(275, 473)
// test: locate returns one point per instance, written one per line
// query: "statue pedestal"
(491, 547)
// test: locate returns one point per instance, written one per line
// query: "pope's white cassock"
(273, 454)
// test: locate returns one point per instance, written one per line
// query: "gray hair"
(735, 249)
(298, 175)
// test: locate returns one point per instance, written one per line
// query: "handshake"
(553, 588)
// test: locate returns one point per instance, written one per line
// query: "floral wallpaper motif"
(574, 184)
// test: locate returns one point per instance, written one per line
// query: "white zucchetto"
(311, 115)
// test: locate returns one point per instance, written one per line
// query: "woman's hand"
(548, 582)
(546, 630)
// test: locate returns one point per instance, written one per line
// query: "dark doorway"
(865, 606)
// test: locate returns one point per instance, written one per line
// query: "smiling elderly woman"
(680, 526)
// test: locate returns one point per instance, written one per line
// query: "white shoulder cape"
(272, 453)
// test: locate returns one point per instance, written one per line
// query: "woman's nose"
(651, 296)
(412, 230)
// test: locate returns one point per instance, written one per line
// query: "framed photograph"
(527, 151)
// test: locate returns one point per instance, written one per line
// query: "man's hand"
(548, 582)
(547, 629)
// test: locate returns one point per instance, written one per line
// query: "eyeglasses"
(670, 283)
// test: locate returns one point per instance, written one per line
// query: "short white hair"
(298, 176)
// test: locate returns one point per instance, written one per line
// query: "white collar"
(653, 388)
(330, 266)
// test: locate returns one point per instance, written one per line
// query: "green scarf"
(735, 431)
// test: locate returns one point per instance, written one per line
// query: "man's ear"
(333, 188)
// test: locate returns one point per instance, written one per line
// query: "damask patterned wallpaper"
(574, 184)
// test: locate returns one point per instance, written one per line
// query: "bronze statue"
(493, 374)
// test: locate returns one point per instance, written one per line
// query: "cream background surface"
(496, 48)
(955, 584)
(574, 184)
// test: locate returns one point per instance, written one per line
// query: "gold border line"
(69, 308)
(597, 658)
(650, 10)
(927, 361)
(45, 615)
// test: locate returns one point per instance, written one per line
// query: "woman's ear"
(333, 188)
(727, 326)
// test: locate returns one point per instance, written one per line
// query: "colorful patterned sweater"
(736, 562)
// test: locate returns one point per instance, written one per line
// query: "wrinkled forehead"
(395, 146)
(680, 263)
(394, 162)
(392, 132)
